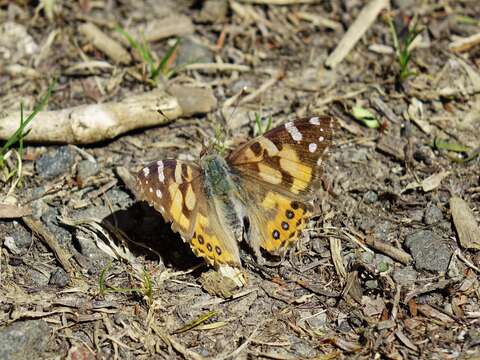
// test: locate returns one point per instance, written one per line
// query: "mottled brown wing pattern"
(276, 174)
(175, 189)
(280, 171)
(172, 187)
(289, 157)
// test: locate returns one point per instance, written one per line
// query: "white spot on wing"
(312, 147)
(158, 193)
(146, 171)
(321, 138)
(161, 176)
(314, 121)
(293, 131)
(151, 190)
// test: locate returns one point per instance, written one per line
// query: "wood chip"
(389, 250)
(467, 227)
(8, 211)
(434, 181)
(110, 47)
(173, 25)
(465, 44)
(336, 250)
(361, 24)
(50, 240)
(87, 124)
(392, 146)
(431, 312)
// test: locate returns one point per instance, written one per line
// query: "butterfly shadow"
(148, 235)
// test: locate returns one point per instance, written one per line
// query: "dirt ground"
(389, 265)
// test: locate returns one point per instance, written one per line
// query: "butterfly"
(261, 192)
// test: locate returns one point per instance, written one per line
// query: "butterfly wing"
(175, 189)
(281, 170)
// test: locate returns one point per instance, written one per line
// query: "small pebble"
(429, 251)
(59, 278)
(87, 168)
(55, 163)
(370, 197)
(432, 215)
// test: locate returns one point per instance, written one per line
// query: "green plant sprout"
(366, 117)
(146, 289)
(259, 129)
(146, 53)
(402, 47)
(18, 136)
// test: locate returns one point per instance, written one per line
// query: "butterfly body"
(260, 193)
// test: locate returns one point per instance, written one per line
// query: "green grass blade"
(20, 133)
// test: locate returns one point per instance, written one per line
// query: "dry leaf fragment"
(434, 181)
(465, 223)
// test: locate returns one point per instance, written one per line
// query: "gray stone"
(429, 251)
(59, 278)
(87, 168)
(301, 348)
(55, 163)
(191, 52)
(405, 276)
(19, 240)
(24, 340)
(371, 284)
(416, 215)
(318, 321)
(370, 197)
(432, 215)
(382, 229)
(119, 198)
(383, 263)
(214, 11)
(36, 278)
(50, 219)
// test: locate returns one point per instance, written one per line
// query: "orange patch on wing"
(288, 221)
(205, 243)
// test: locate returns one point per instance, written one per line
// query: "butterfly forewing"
(280, 171)
(171, 187)
(289, 157)
(175, 189)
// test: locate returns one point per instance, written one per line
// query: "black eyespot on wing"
(294, 205)
(201, 240)
(289, 214)
(276, 234)
(285, 225)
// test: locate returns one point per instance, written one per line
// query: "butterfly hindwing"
(276, 220)
(175, 189)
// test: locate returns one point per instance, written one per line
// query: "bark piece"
(88, 124)
(105, 43)
(465, 224)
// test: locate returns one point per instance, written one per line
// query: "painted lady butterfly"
(261, 192)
